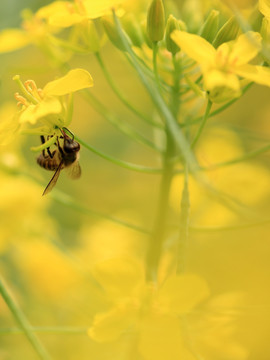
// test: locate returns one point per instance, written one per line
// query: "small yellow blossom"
(223, 67)
(47, 105)
(33, 30)
(152, 313)
(64, 14)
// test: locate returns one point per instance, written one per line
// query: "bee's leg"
(48, 148)
(60, 148)
(42, 138)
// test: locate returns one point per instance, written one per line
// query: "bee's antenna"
(64, 130)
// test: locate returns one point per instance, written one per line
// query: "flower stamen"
(21, 100)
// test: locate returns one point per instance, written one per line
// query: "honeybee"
(63, 157)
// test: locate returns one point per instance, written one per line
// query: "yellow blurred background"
(48, 245)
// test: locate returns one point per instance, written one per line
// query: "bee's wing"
(53, 180)
(74, 170)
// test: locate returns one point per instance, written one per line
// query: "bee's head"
(70, 145)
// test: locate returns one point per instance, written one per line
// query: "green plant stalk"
(184, 225)
(155, 68)
(120, 95)
(67, 200)
(23, 323)
(124, 164)
(202, 125)
(120, 125)
(175, 132)
(159, 231)
(46, 329)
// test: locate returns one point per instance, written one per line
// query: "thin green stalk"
(67, 200)
(176, 133)
(245, 157)
(175, 101)
(120, 95)
(124, 164)
(194, 228)
(184, 225)
(46, 329)
(23, 323)
(220, 109)
(159, 231)
(202, 125)
(155, 68)
(120, 125)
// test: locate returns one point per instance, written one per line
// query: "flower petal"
(109, 326)
(95, 9)
(34, 112)
(74, 80)
(59, 14)
(215, 78)
(264, 7)
(195, 47)
(180, 293)
(120, 277)
(246, 48)
(13, 39)
(161, 338)
(258, 74)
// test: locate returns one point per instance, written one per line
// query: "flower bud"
(112, 33)
(265, 30)
(87, 33)
(173, 24)
(227, 33)
(133, 29)
(210, 27)
(156, 21)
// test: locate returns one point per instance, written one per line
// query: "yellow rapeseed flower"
(151, 313)
(222, 68)
(65, 13)
(47, 105)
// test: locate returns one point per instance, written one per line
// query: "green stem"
(245, 157)
(124, 164)
(23, 323)
(159, 231)
(184, 225)
(67, 200)
(204, 120)
(155, 68)
(220, 109)
(175, 101)
(45, 329)
(120, 125)
(176, 133)
(119, 94)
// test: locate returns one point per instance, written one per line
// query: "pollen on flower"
(32, 88)
(20, 100)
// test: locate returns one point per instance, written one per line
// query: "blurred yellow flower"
(105, 240)
(64, 14)
(33, 31)
(222, 67)
(22, 205)
(8, 125)
(47, 271)
(152, 313)
(215, 326)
